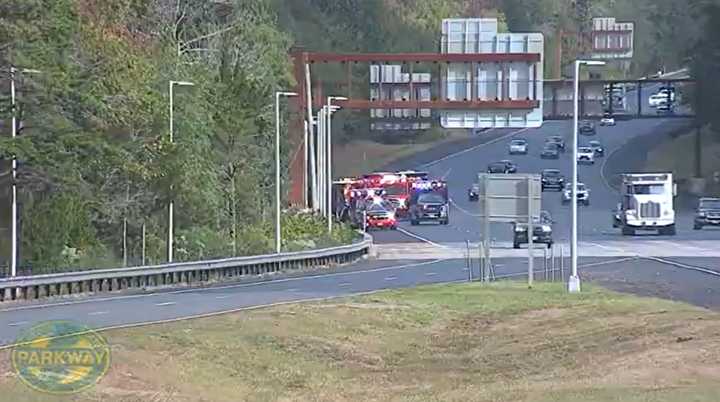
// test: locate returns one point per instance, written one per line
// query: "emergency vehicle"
(429, 202)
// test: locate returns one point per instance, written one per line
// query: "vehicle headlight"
(702, 214)
(519, 229)
(391, 216)
(443, 210)
(546, 228)
(402, 202)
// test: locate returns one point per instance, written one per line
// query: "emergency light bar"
(428, 185)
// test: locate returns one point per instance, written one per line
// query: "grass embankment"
(678, 156)
(362, 156)
(439, 343)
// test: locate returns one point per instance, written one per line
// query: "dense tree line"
(94, 146)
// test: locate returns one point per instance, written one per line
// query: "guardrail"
(177, 274)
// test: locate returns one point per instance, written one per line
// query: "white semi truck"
(647, 203)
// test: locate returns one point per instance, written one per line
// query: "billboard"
(612, 40)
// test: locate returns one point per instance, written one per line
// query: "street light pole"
(14, 209)
(574, 281)
(278, 240)
(328, 127)
(171, 205)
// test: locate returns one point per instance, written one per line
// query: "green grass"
(438, 343)
(678, 156)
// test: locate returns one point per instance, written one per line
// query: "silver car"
(583, 194)
(518, 147)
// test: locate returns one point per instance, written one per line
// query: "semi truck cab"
(647, 203)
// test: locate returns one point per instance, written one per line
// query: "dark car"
(429, 206)
(504, 166)
(552, 178)
(586, 127)
(597, 147)
(707, 213)
(474, 192)
(551, 150)
(542, 231)
(556, 139)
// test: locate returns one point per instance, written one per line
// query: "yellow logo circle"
(60, 357)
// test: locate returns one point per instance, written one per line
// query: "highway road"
(683, 276)
(595, 220)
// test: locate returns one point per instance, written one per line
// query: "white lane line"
(428, 241)
(293, 290)
(430, 274)
(215, 314)
(444, 177)
(235, 286)
(464, 151)
(684, 266)
(345, 284)
(222, 297)
(391, 278)
(165, 304)
(461, 209)
(17, 324)
(99, 313)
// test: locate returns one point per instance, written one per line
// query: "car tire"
(697, 227)
(445, 222)
(393, 227)
(628, 231)
(413, 222)
(586, 203)
(516, 245)
(549, 245)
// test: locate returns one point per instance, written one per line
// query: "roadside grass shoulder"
(457, 342)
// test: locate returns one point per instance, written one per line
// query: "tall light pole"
(14, 209)
(574, 281)
(328, 127)
(278, 243)
(171, 218)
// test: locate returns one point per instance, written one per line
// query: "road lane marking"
(391, 278)
(222, 297)
(99, 313)
(461, 209)
(401, 230)
(235, 286)
(508, 135)
(345, 284)
(216, 314)
(165, 304)
(18, 323)
(430, 274)
(293, 290)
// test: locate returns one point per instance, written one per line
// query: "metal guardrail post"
(468, 261)
(545, 264)
(552, 264)
(562, 263)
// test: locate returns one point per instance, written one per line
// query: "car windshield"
(497, 166)
(518, 142)
(595, 144)
(377, 208)
(648, 189)
(710, 204)
(552, 146)
(580, 187)
(584, 149)
(431, 198)
(551, 173)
